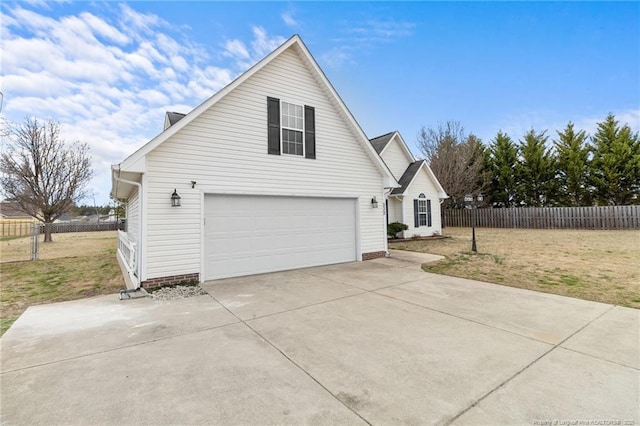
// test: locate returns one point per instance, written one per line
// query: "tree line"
(570, 168)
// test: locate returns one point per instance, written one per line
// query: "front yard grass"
(593, 265)
(74, 266)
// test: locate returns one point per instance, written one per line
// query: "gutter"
(140, 200)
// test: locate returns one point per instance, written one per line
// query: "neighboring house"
(14, 221)
(11, 211)
(272, 173)
(63, 218)
(111, 217)
(416, 203)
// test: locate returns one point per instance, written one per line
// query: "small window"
(292, 129)
(422, 211)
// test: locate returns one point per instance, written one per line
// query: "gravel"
(177, 292)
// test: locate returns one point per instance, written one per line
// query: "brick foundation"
(174, 279)
(374, 255)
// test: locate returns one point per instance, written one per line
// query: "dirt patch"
(593, 265)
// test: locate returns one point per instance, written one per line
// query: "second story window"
(292, 128)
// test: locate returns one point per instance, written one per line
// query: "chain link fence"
(21, 240)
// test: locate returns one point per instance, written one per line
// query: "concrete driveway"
(377, 342)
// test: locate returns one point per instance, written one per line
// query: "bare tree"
(42, 173)
(456, 159)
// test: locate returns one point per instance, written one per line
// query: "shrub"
(395, 227)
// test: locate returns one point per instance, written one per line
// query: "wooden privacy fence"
(16, 228)
(607, 217)
(23, 229)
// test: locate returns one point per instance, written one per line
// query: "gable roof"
(407, 177)
(410, 174)
(134, 162)
(380, 142)
(174, 117)
(12, 210)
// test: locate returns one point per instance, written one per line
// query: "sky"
(109, 71)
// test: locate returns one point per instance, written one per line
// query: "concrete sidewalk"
(376, 342)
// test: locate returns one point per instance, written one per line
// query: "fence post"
(35, 241)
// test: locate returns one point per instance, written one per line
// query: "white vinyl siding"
(396, 158)
(225, 151)
(421, 184)
(395, 210)
(133, 215)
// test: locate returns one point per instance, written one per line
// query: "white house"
(270, 173)
(416, 203)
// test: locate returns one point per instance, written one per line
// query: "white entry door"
(247, 235)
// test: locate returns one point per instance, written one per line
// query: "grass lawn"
(595, 265)
(74, 266)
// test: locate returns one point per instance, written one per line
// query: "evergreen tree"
(615, 168)
(573, 154)
(503, 166)
(536, 185)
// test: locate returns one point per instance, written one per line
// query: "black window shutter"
(273, 120)
(309, 132)
(428, 212)
(416, 218)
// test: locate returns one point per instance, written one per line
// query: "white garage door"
(247, 235)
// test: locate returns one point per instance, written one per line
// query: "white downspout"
(385, 195)
(139, 248)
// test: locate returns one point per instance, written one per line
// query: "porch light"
(374, 202)
(175, 199)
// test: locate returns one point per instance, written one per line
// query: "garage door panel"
(255, 234)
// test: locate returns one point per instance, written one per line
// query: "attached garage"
(270, 173)
(246, 235)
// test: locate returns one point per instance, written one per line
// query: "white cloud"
(109, 78)
(337, 56)
(101, 27)
(364, 35)
(236, 49)
(375, 30)
(261, 45)
(289, 20)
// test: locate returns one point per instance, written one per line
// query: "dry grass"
(70, 244)
(74, 266)
(595, 265)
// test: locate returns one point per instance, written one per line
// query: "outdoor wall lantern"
(374, 202)
(175, 199)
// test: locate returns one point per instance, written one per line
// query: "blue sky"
(108, 71)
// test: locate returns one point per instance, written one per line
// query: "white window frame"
(423, 210)
(294, 129)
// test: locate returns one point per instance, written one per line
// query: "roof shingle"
(174, 117)
(380, 142)
(407, 177)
